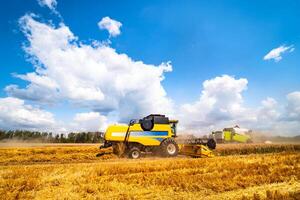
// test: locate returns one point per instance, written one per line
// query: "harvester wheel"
(211, 143)
(134, 153)
(169, 148)
(147, 124)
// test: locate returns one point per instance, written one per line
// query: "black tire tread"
(163, 147)
(211, 143)
(134, 149)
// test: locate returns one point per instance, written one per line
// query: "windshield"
(173, 128)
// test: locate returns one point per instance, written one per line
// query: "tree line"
(49, 137)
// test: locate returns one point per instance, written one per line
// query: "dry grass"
(73, 172)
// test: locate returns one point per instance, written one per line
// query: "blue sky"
(202, 39)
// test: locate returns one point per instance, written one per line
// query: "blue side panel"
(159, 139)
(149, 133)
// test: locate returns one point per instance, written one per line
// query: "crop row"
(234, 177)
(80, 153)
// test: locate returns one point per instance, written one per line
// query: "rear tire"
(211, 143)
(169, 148)
(134, 153)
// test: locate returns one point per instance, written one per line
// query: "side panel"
(227, 135)
(115, 133)
(147, 138)
(240, 138)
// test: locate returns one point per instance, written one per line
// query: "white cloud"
(15, 114)
(269, 109)
(276, 54)
(293, 107)
(41, 88)
(112, 26)
(92, 76)
(282, 120)
(42, 81)
(51, 4)
(220, 102)
(221, 105)
(90, 121)
(267, 115)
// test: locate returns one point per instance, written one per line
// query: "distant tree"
(81, 137)
(71, 137)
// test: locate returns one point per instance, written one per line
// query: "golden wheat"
(73, 172)
(244, 149)
(87, 153)
(51, 154)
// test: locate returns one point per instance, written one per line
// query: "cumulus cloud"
(41, 88)
(269, 109)
(220, 102)
(221, 105)
(267, 115)
(15, 114)
(112, 26)
(51, 4)
(280, 119)
(276, 54)
(293, 107)
(90, 121)
(93, 76)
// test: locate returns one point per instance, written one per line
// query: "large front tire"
(134, 153)
(169, 148)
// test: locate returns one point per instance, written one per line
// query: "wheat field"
(255, 171)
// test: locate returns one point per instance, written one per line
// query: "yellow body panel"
(230, 136)
(154, 137)
(195, 150)
(227, 135)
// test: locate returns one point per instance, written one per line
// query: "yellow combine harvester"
(152, 134)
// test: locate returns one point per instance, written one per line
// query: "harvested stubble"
(263, 176)
(80, 153)
(245, 149)
(51, 154)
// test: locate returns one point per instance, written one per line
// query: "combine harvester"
(233, 135)
(154, 134)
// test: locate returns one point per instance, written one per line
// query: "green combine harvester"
(233, 135)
